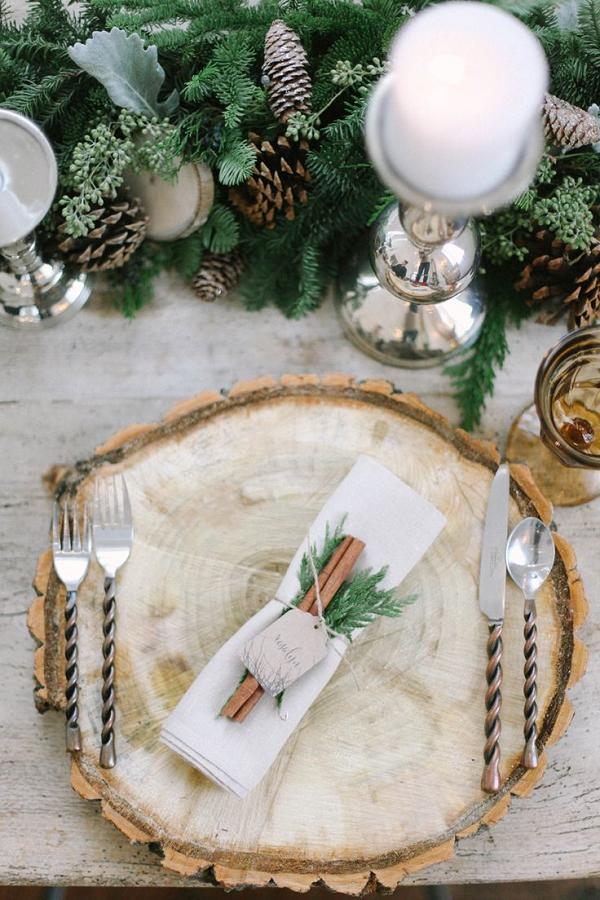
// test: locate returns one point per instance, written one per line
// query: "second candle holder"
(409, 298)
(454, 130)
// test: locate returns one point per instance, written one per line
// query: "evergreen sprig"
(360, 600)
(474, 375)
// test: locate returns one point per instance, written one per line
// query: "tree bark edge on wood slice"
(236, 870)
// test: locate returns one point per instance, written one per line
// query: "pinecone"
(218, 274)
(569, 126)
(120, 228)
(285, 72)
(563, 279)
(278, 182)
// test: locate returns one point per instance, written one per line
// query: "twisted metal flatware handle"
(530, 754)
(72, 732)
(490, 780)
(108, 756)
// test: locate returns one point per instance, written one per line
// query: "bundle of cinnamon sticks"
(331, 578)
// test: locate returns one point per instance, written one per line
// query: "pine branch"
(382, 204)
(228, 78)
(235, 158)
(311, 283)
(221, 232)
(186, 255)
(474, 375)
(38, 99)
(133, 284)
(589, 29)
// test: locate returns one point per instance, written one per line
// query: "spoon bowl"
(530, 555)
(529, 560)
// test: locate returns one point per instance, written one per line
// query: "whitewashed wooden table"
(62, 392)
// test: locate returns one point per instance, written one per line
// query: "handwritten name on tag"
(284, 651)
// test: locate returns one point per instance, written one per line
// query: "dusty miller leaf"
(129, 71)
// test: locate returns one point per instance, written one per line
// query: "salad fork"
(71, 551)
(113, 537)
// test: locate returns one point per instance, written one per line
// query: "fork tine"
(55, 527)
(114, 518)
(117, 500)
(125, 502)
(103, 502)
(97, 512)
(87, 529)
(107, 498)
(76, 534)
(66, 532)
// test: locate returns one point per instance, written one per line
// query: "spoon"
(529, 560)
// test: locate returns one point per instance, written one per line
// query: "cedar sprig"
(360, 600)
(474, 374)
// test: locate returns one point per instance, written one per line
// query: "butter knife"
(492, 588)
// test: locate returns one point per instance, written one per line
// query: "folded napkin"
(398, 526)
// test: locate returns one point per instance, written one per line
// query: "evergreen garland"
(212, 55)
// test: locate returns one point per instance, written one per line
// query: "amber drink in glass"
(567, 398)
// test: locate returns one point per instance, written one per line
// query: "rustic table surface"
(65, 390)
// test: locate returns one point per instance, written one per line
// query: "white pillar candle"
(464, 97)
(28, 176)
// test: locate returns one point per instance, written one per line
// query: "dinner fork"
(113, 537)
(71, 550)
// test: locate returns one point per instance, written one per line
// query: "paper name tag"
(284, 651)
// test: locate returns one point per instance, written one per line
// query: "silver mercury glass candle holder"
(33, 292)
(410, 296)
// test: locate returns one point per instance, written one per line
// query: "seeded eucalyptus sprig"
(98, 163)
(567, 211)
(96, 171)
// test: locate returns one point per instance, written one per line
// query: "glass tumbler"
(559, 437)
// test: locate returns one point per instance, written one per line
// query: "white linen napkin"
(398, 526)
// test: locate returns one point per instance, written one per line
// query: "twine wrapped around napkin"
(398, 526)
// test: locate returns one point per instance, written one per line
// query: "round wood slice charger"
(378, 780)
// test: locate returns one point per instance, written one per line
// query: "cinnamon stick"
(325, 573)
(249, 685)
(338, 576)
(243, 693)
(249, 705)
(331, 578)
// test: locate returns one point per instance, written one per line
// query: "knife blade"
(492, 573)
(492, 591)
